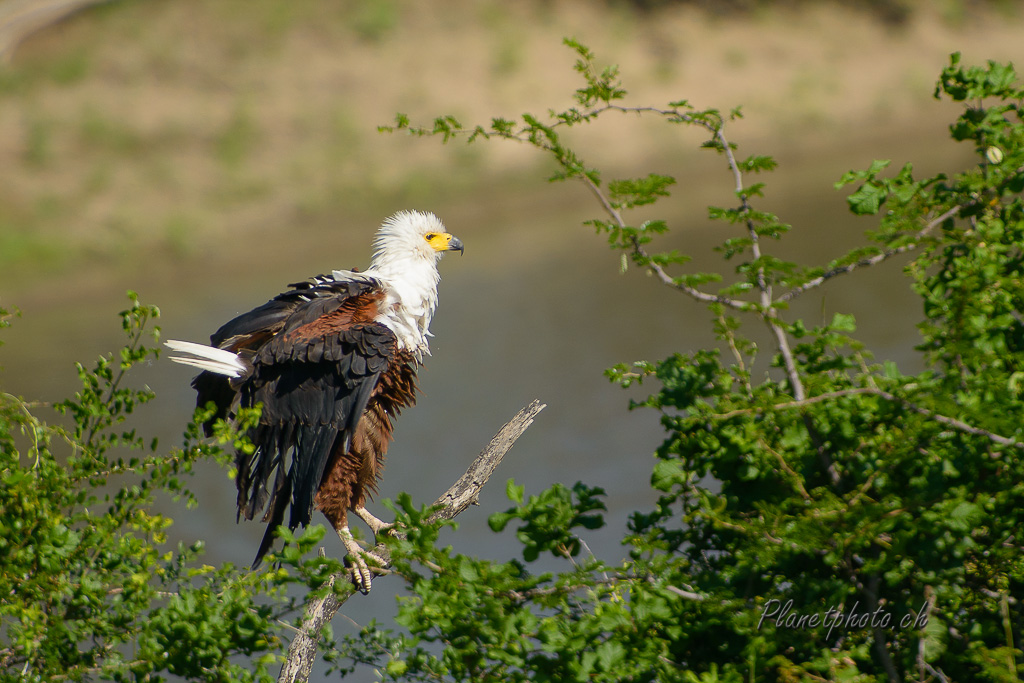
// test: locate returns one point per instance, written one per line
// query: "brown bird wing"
(317, 355)
(247, 333)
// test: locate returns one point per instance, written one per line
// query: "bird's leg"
(376, 525)
(361, 574)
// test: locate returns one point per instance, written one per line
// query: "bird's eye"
(430, 236)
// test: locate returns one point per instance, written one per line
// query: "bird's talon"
(361, 572)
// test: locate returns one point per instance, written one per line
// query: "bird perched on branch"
(332, 361)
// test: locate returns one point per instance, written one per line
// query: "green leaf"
(639, 191)
(843, 322)
(758, 163)
(514, 493)
(867, 200)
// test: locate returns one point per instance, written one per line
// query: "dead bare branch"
(462, 494)
(21, 18)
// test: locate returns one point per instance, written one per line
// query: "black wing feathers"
(312, 403)
(272, 315)
(248, 332)
(314, 373)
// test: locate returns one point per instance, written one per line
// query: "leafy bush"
(839, 520)
(88, 588)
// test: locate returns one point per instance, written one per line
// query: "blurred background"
(205, 153)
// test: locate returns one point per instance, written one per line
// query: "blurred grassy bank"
(148, 137)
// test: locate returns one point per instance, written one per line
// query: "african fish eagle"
(332, 361)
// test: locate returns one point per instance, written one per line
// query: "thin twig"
(797, 479)
(959, 425)
(665, 278)
(872, 260)
(689, 595)
(730, 338)
(525, 134)
(769, 313)
(878, 634)
(795, 404)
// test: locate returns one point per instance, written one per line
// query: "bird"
(332, 361)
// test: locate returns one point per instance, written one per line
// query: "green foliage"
(835, 520)
(90, 589)
(549, 518)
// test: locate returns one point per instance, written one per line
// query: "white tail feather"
(212, 366)
(208, 358)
